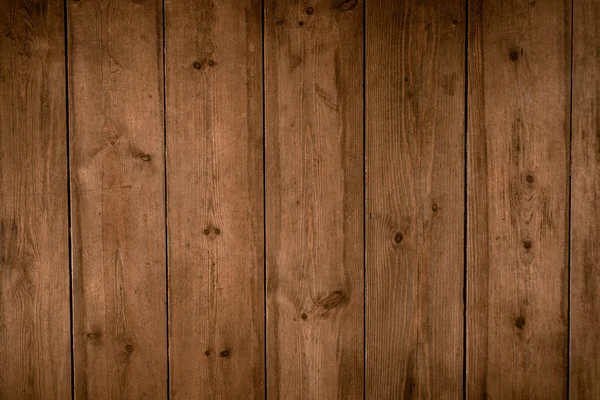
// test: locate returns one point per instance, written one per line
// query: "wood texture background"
(292, 199)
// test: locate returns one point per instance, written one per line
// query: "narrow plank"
(415, 198)
(35, 354)
(215, 198)
(585, 201)
(314, 186)
(117, 181)
(518, 171)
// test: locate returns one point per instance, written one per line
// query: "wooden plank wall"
(293, 199)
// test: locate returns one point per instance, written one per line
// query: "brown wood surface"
(117, 182)
(415, 83)
(215, 199)
(35, 359)
(314, 207)
(244, 265)
(585, 201)
(518, 185)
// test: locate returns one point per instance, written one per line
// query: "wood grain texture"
(518, 170)
(585, 201)
(215, 199)
(314, 186)
(34, 246)
(415, 198)
(117, 181)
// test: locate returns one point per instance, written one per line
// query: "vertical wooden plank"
(518, 169)
(585, 202)
(314, 186)
(35, 354)
(215, 198)
(415, 198)
(117, 180)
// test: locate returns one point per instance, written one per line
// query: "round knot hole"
(398, 237)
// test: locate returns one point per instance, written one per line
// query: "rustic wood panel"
(215, 198)
(314, 208)
(585, 201)
(35, 359)
(415, 85)
(117, 181)
(518, 170)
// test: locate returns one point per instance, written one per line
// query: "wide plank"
(518, 185)
(314, 207)
(117, 181)
(415, 137)
(35, 353)
(215, 198)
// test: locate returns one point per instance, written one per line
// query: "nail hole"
(217, 231)
(207, 231)
(300, 23)
(434, 207)
(129, 348)
(454, 21)
(207, 353)
(146, 157)
(310, 11)
(520, 322)
(211, 63)
(514, 55)
(529, 179)
(197, 65)
(527, 244)
(304, 317)
(224, 353)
